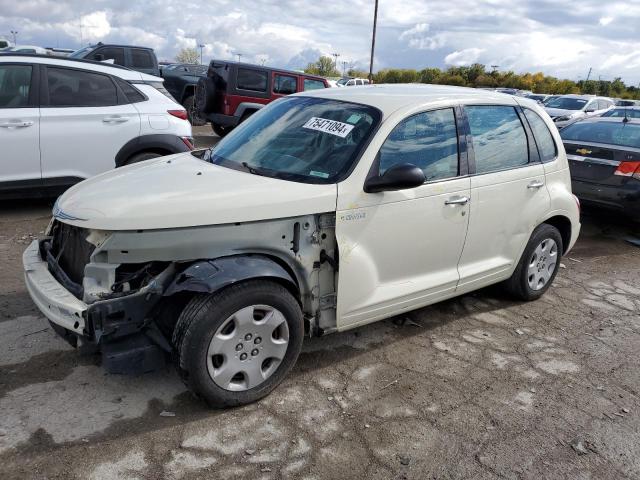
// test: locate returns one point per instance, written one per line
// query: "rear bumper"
(624, 199)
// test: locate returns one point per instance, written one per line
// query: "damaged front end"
(117, 292)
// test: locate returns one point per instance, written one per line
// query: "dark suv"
(181, 79)
(142, 59)
(231, 92)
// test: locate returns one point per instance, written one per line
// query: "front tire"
(220, 130)
(235, 346)
(141, 157)
(538, 265)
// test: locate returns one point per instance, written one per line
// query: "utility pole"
(344, 68)
(15, 35)
(335, 63)
(373, 41)
(588, 74)
(201, 46)
(239, 55)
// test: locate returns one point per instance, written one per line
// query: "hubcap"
(248, 348)
(542, 264)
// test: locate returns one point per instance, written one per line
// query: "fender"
(209, 276)
(163, 141)
(244, 106)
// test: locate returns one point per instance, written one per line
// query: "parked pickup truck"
(231, 92)
(181, 80)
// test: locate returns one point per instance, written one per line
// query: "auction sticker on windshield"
(332, 127)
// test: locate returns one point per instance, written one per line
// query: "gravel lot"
(478, 387)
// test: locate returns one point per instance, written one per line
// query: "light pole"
(239, 55)
(335, 55)
(373, 41)
(201, 46)
(15, 36)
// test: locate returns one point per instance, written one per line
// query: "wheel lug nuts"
(248, 336)
(243, 356)
(254, 352)
(258, 341)
(238, 347)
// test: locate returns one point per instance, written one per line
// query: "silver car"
(569, 108)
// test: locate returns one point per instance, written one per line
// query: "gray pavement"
(478, 387)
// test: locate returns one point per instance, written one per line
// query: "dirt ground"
(479, 387)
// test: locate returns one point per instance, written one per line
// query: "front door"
(82, 126)
(399, 250)
(19, 125)
(508, 195)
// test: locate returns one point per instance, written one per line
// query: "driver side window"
(427, 140)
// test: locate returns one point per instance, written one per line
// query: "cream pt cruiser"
(325, 211)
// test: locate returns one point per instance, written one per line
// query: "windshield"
(303, 139)
(567, 103)
(623, 112)
(611, 133)
(81, 53)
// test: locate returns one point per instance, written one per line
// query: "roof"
(391, 97)
(635, 121)
(264, 67)
(110, 68)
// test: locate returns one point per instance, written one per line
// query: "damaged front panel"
(304, 248)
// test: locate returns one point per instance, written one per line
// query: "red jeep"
(231, 92)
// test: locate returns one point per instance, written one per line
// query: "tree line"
(477, 75)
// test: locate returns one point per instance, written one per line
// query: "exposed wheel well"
(563, 224)
(159, 151)
(189, 90)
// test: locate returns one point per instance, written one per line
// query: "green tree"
(188, 55)
(323, 67)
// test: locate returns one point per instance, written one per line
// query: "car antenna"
(625, 119)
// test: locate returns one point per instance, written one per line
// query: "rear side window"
(427, 140)
(284, 84)
(110, 53)
(499, 139)
(15, 86)
(253, 80)
(132, 94)
(544, 140)
(310, 84)
(141, 58)
(76, 88)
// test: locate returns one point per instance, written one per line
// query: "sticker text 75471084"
(332, 127)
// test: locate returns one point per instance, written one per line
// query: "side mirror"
(98, 57)
(398, 177)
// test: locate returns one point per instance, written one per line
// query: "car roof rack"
(58, 57)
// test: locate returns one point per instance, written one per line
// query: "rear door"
(85, 121)
(19, 123)
(508, 194)
(143, 60)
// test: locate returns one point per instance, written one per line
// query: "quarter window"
(499, 139)
(546, 146)
(253, 80)
(312, 84)
(284, 84)
(427, 140)
(75, 88)
(141, 58)
(15, 85)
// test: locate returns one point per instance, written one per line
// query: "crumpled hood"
(561, 112)
(184, 191)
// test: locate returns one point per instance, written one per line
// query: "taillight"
(628, 169)
(188, 141)
(181, 114)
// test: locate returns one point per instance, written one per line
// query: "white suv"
(63, 120)
(325, 211)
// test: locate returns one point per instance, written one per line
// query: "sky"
(558, 37)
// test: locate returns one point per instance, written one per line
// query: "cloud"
(559, 37)
(463, 57)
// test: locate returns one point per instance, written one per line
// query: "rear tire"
(538, 265)
(235, 346)
(141, 157)
(192, 112)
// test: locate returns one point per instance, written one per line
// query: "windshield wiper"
(253, 170)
